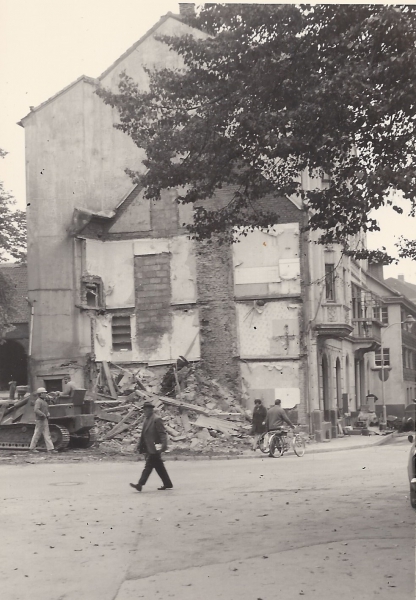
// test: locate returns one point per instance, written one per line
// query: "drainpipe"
(32, 313)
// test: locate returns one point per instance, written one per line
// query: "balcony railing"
(333, 321)
(367, 329)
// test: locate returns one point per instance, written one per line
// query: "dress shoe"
(165, 487)
(137, 487)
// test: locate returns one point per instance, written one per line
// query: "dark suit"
(153, 432)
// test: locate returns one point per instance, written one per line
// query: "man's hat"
(148, 403)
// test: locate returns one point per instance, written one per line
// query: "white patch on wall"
(289, 268)
(114, 263)
(290, 397)
(268, 263)
(272, 383)
(151, 246)
(256, 275)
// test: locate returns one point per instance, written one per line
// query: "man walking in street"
(258, 421)
(42, 425)
(153, 433)
(277, 417)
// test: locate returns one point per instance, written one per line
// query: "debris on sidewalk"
(199, 414)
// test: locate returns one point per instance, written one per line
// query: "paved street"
(331, 525)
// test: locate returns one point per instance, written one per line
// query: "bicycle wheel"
(276, 447)
(263, 443)
(298, 445)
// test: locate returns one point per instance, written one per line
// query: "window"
(386, 354)
(92, 294)
(121, 333)
(357, 307)
(381, 313)
(92, 291)
(330, 282)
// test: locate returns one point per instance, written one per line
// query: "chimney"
(187, 9)
(376, 270)
(401, 278)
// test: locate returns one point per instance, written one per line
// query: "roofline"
(401, 300)
(84, 78)
(383, 283)
(140, 41)
(96, 81)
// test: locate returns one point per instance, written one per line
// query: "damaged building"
(114, 277)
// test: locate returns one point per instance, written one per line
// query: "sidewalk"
(348, 442)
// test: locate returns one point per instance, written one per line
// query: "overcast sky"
(47, 44)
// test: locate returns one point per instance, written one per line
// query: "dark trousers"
(154, 461)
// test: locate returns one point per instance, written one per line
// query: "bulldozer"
(71, 421)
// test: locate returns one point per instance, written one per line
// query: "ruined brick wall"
(152, 298)
(217, 313)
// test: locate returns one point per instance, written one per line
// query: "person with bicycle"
(277, 417)
(258, 421)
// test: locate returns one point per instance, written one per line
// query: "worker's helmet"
(41, 390)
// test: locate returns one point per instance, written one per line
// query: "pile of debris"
(199, 414)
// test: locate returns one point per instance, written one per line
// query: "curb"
(380, 442)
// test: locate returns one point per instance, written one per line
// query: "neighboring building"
(402, 287)
(14, 350)
(399, 350)
(114, 277)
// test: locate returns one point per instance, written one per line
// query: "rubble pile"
(200, 415)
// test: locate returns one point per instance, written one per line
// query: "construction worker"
(68, 387)
(42, 425)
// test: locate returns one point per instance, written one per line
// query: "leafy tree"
(12, 226)
(12, 245)
(275, 91)
(6, 305)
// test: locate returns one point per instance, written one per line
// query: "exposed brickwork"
(217, 313)
(152, 294)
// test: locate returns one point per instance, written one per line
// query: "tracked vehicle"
(71, 422)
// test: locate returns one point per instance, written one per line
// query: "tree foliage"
(12, 226)
(6, 305)
(12, 245)
(275, 91)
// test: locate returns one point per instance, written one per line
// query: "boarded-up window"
(121, 333)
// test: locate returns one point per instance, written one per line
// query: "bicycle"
(279, 443)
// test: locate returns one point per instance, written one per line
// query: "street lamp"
(408, 320)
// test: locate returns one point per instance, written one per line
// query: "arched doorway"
(338, 383)
(13, 364)
(325, 387)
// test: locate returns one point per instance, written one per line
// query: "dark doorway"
(325, 387)
(338, 383)
(13, 364)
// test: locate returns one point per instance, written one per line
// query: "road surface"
(331, 525)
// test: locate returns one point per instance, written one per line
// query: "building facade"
(114, 277)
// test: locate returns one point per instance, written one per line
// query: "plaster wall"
(75, 158)
(272, 380)
(182, 338)
(113, 261)
(271, 330)
(268, 264)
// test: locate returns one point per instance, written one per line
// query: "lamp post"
(408, 320)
